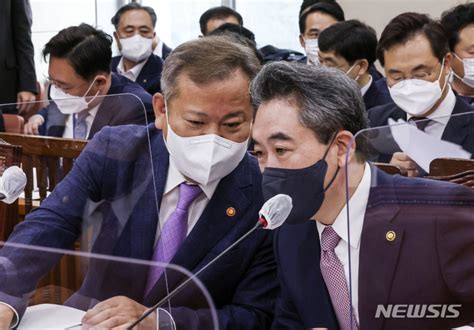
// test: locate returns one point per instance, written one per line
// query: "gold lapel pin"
(144, 80)
(230, 212)
(390, 236)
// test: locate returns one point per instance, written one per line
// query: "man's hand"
(6, 317)
(24, 99)
(32, 126)
(117, 313)
(406, 165)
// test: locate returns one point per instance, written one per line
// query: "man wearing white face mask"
(208, 191)
(350, 46)
(134, 34)
(459, 25)
(312, 21)
(79, 71)
(414, 52)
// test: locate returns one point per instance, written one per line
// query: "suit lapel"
(211, 227)
(379, 250)
(150, 71)
(145, 228)
(299, 252)
(456, 130)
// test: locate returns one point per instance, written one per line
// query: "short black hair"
(241, 35)
(406, 26)
(353, 40)
(456, 19)
(87, 49)
(220, 12)
(133, 6)
(329, 7)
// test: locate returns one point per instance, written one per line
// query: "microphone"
(271, 216)
(12, 184)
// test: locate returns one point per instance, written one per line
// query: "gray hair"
(329, 100)
(207, 60)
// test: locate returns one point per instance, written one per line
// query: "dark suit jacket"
(113, 111)
(149, 77)
(459, 130)
(17, 68)
(115, 169)
(376, 95)
(429, 262)
(165, 51)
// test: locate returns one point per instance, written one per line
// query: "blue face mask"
(305, 186)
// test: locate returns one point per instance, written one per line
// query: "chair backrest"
(387, 168)
(13, 123)
(50, 158)
(10, 155)
(450, 166)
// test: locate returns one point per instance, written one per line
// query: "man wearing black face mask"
(303, 134)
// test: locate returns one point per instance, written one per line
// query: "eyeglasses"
(417, 79)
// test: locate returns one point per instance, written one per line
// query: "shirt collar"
(175, 178)
(445, 109)
(366, 87)
(134, 72)
(357, 207)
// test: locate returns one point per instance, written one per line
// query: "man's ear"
(160, 111)
(345, 143)
(117, 40)
(301, 40)
(363, 67)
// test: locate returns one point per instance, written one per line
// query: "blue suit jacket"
(377, 94)
(150, 76)
(429, 262)
(115, 170)
(113, 111)
(459, 130)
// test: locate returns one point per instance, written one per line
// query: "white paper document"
(49, 316)
(421, 147)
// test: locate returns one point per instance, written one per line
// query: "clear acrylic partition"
(99, 196)
(80, 282)
(411, 246)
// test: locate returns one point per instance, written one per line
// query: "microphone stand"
(261, 223)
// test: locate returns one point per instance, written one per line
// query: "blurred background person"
(214, 17)
(134, 34)
(79, 72)
(415, 54)
(17, 67)
(351, 46)
(459, 25)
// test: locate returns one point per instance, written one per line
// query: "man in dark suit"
(134, 34)
(458, 22)
(351, 46)
(410, 239)
(414, 52)
(214, 17)
(315, 16)
(83, 88)
(198, 143)
(17, 67)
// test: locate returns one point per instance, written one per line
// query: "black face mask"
(305, 186)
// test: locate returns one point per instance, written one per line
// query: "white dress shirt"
(440, 117)
(69, 129)
(366, 87)
(134, 72)
(170, 198)
(357, 206)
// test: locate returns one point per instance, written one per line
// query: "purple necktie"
(333, 274)
(173, 232)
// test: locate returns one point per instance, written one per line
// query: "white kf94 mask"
(204, 158)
